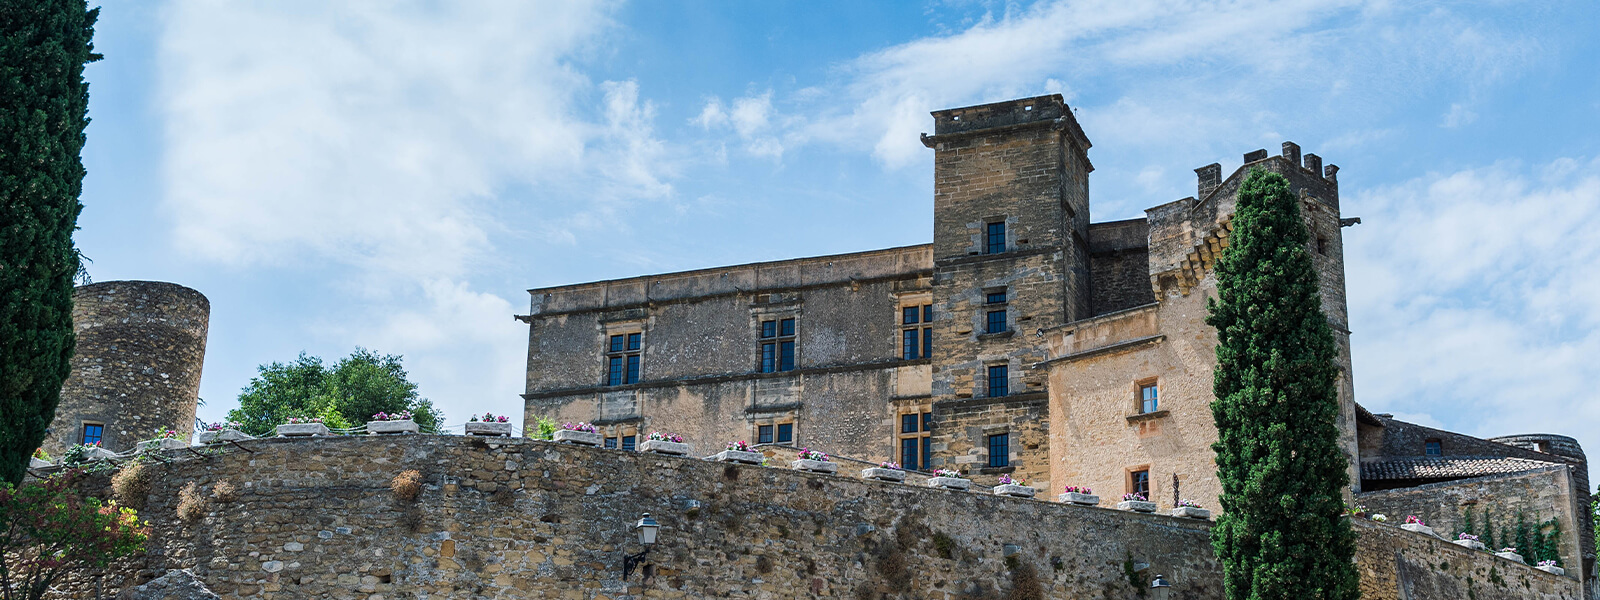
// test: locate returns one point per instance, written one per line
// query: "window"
(611, 443)
(786, 433)
(1139, 483)
(1000, 450)
(916, 431)
(1149, 397)
(995, 238)
(916, 342)
(777, 345)
(999, 384)
(622, 358)
(1322, 245)
(995, 297)
(1433, 448)
(763, 434)
(93, 432)
(996, 322)
(628, 443)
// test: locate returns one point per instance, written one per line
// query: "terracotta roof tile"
(1447, 468)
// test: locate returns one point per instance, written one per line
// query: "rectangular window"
(1433, 448)
(999, 382)
(633, 341)
(93, 433)
(995, 297)
(908, 453)
(927, 313)
(1139, 483)
(996, 322)
(908, 344)
(995, 238)
(769, 357)
(1000, 450)
(627, 443)
(623, 353)
(786, 433)
(909, 315)
(611, 443)
(763, 434)
(777, 355)
(916, 342)
(916, 447)
(633, 369)
(908, 423)
(927, 342)
(786, 328)
(769, 329)
(785, 356)
(1149, 398)
(616, 343)
(614, 370)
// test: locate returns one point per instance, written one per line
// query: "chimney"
(1210, 177)
(1331, 173)
(1291, 151)
(1313, 163)
(1255, 156)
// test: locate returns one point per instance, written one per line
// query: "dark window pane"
(92, 433)
(768, 357)
(633, 341)
(1000, 450)
(785, 433)
(614, 370)
(786, 328)
(908, 453)
(627, 443)
(786, 356)
(908, 315)
(611, 443)
(997, 297)
(996, 242)
(616, 343)
(908, 423)
(1150, 400)
(927, 421)
(908, 344)
(1141, 483)
(999, 385)
(1433, 448)
(996, 322)
(633, 368)
(927, 342)
(769, 329)
(764, 434)
(927, 453)
(927, 313)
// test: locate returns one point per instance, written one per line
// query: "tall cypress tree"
(1282, 535)
(44, 101)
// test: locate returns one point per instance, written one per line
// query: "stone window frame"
(617, 432)
(989, 435)
(924, 434)
(83, 431)
(791, 419)
(923, 328)
(1138, 395)
(622, 328)
(984, 246)
(1431, 444)
(777, 311)
(1003, 307)
(987, 388)
(1149, 480)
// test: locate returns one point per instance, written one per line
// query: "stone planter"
(950, 483)
(392, 427)
(1553, 570)
(226, 435)
(302, 429)
(162, 444)
(1193, 512)
(34, 463)
(1081, 499)
(882, 474)
(1013, 490)
(1512, 556)
(1469, 544)
(665, 447)
(738, 456)
(488, 429)
(815, 466)
(581, 438)
(98, 453)
(1137, 506)
(1422, 529)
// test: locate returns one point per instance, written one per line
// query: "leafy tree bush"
(47, 530)
(1281, 535)
(345, 395)
(542, 428)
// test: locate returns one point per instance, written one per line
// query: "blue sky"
(394, 175)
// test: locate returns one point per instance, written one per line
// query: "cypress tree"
(1468, 526)
(1520, 540)
(44, 101)
(1281, 535)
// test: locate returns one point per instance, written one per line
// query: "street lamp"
(647, 529)
(1160, 589)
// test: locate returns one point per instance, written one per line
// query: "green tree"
(48, 530)
(349, 393)
(44, 104)
(1520, 540)
(1281, 535)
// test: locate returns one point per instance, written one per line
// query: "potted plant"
(489, 425)
(392, 423)
(1136, 503)
(165, 439)
(1510, 554)
(1079, 495)
(580, 433)
(949, 479)
(223, 432)
(82, 453)
(302, 427)
(885, 471)
(663, 443)
(1355, 511)
(1414, 523)
(739, 452)
(1549, 566)
(1015, 488)
(1380, 518)
(815, 462)
(1191, 509)
(1468, 541)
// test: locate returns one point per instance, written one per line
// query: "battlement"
(1209, 178)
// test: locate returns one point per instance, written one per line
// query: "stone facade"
(141, 345)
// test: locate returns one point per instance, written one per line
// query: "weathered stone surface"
(488, 429)
(177, 584)
(392, 427)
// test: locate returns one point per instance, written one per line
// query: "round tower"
(1547, 443)
(137, 365)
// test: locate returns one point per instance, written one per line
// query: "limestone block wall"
(1400, 565)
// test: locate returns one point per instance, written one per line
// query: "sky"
(395, 175)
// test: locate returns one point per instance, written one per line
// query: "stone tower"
(1011, 218)
(137, 366)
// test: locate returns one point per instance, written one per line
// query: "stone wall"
(1119, 265)
(1400, 565)
(141, 346)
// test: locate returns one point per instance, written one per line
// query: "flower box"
(882, 474)
(162, 444)
(225, 435)
(1137, 506)
(1077, 498)
(581, 438)
(666, 447)
(1469, 544)
(395, 427)
(301, 429)
(950, 483)
(1511, 556)
(815, 466)
(1417, 527)
(488, 429)
(1013, 490)
(34, 463)
(738, 456)
(1552, 569)
(1193, 512)
(98, 453)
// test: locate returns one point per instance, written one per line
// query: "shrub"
(542, 428)
(407, 485)
(53, 532)
(191, 503)
(131, 485)
(224, 491)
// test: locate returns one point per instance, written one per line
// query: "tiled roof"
(1447, 468)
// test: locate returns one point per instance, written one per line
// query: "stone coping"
(1447, 545)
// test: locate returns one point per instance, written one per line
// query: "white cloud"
(751, 118)
(1459, 115)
